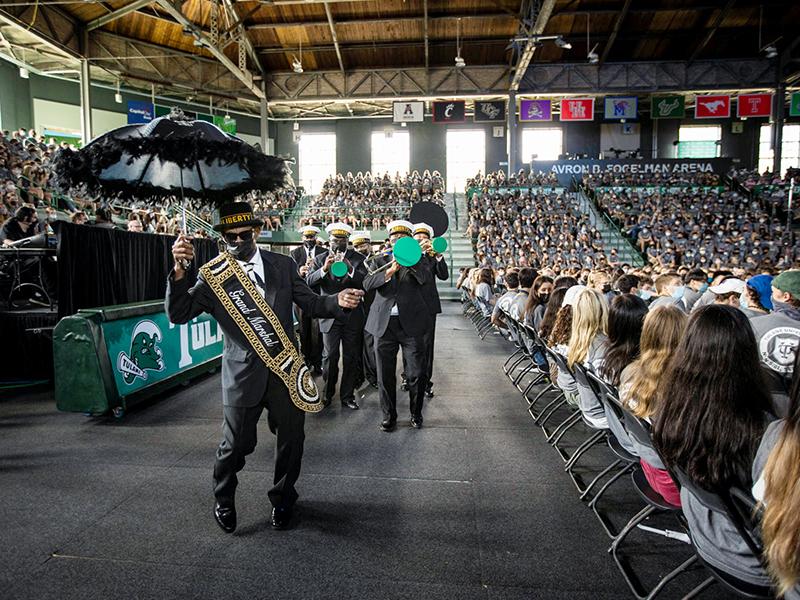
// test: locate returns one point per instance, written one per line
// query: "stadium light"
(23, 72)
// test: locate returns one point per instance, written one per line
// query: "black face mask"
(242, 250)
(544, 298)
(309, 243)
(339, 246)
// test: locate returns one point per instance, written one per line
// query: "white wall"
(612, 136)
(67, 117)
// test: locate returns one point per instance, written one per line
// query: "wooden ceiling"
(387, 34)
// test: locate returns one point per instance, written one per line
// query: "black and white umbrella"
(171, 156)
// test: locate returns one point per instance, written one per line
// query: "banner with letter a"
(408, 112)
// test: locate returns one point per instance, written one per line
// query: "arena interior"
(491, 299)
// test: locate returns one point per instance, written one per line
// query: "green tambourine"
(407, 252)
(339, 269)
(439, 245)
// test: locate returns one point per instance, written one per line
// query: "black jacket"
(299, 254)
(327, 285)
(430, 291)
(403, 289)
(244, 375)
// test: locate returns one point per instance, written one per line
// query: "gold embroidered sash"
(261, 327)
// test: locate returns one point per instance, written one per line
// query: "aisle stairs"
(612, 236)
(459, 247)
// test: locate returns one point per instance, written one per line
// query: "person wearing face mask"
(310, 336)
(670, 290)
(344, 331)
(250, 294)
(362, 243)
(778, 335)
(696, 282)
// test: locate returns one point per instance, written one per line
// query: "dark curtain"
(28, 353)
(104, 267)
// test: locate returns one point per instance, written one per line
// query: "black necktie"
(255, 277)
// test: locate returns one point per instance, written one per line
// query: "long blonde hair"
(589, 318)
(662, 331)
(780, 526)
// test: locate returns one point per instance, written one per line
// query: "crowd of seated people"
(709, 363)
(702, 228)
(523, 229)
(371, 201)
(26, 181)
(521, 178)
(627, 179)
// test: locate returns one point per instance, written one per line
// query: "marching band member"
(423, 233)
(310, 337)
(250, 292)
(362, 242)
(345, 330)
(399, 318)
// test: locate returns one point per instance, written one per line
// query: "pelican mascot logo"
(145, 355)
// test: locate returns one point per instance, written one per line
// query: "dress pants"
(309, 340)
(368, 369)
(239, 439)
(413, 348)
(430, 342)
(348, 335)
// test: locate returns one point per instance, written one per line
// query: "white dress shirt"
(257, 266)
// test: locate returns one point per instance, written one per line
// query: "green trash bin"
(107, 358)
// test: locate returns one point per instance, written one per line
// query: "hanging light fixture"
(297, 63)
(591, 55)
(118, 95)
(460, 63)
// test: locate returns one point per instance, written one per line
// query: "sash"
(262, 329)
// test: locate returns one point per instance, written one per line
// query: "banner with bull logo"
(667, 107)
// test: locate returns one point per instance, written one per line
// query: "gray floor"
(475, 505)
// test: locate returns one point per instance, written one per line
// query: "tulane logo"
(145, 355)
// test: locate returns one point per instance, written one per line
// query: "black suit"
(431, 294)
(345, 330)
(367, 368)
(406, 330)
(248, 386)
(310, 337)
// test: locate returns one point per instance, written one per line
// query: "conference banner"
(621, 107)
(535, 110)
(667, 107)
(794, 104)
(489, 112)
(754, 105)
(565, 170)
(449, 111)
(716, 106)
(577, 109)
(408, 112)
(140, 111)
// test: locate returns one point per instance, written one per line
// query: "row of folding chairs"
(528, 368)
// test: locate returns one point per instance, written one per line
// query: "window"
(317, 160)
(391, 152)
(699, 141)
(466, 155)
(546, 144)
(790, 148)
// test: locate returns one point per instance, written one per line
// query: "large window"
(790, 148)
(541, 143)
(391, 152)
(699, 141)
(316, 160)
(466, 155)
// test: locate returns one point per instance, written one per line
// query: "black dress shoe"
(416, 422)
(429, 393)
(225, 516)
(281, 517)
(388, 424)
(350, 404)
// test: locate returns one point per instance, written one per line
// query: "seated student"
(670, 290)
(757, 297)
(778, 335)
(526, 278)
(559, 342)
(504, 302)
(625, 319)
(587, 345)
(661, 333)
(778, 491)
(550, 312)
(483, 291)
(696, 282)
(537, 301)
(713, 409)
(728, 292)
